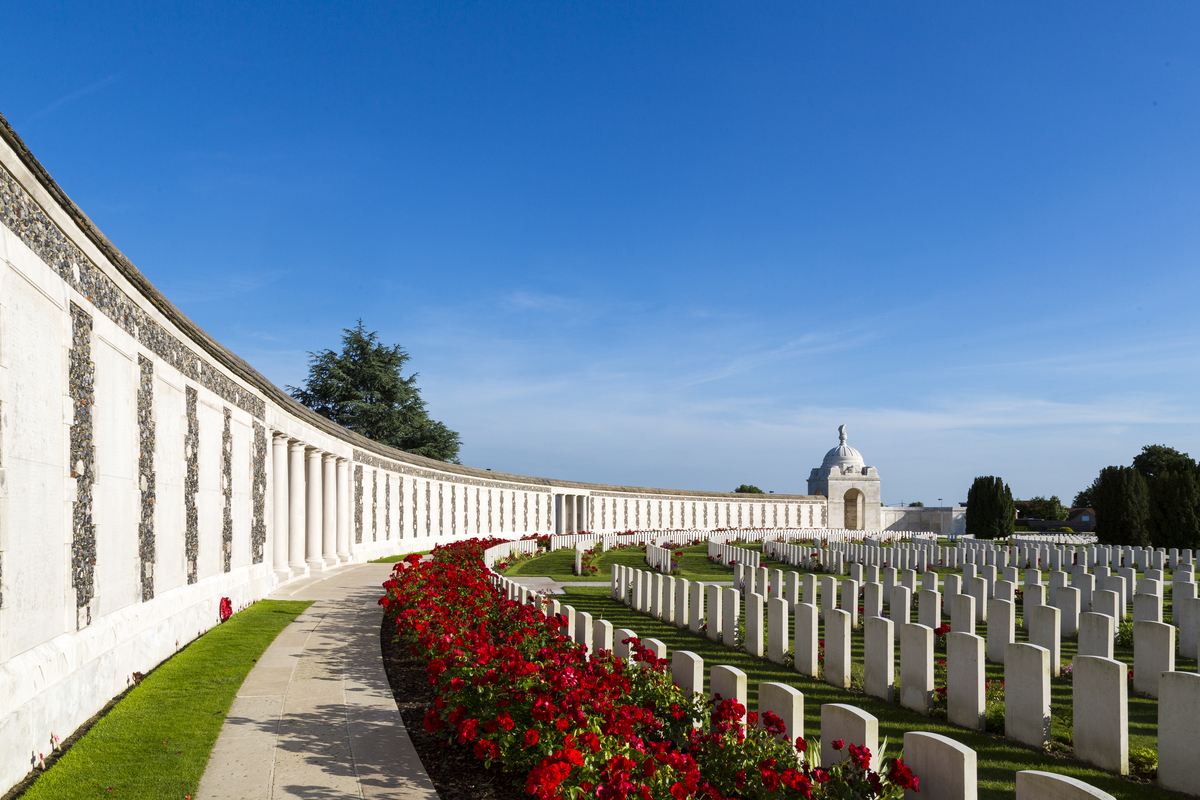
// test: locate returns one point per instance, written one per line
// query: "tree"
(990, 510)
(1120, 499)
(1083, 499)
(1042, 508)
(362, 389)
(1155, 459)
(748, 488)
(1174, 498)
(917, 504)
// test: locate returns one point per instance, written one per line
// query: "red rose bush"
(509, 685)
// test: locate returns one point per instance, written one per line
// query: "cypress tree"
(991, 511)
(1121, 500)
(1174, 497)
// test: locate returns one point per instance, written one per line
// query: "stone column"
(279, 519)
(343, 511)
(296, 508)
(314, 511)
(330, 508)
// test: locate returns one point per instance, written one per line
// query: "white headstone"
(1101, 712)
(1027, 694)
(965, 677)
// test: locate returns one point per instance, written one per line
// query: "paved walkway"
(315, 718)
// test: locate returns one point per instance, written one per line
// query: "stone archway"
(854, 513)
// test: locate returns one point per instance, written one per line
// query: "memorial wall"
(146, 472)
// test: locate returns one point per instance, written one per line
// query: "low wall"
(944, 521)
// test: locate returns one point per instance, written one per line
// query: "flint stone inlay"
(258, 495)
(191, 487)
(81, 381)
(145, 413)
(227, 492)
(358, 504)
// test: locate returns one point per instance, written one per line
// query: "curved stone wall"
(146, 472)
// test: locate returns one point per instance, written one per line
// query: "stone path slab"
(315, 718)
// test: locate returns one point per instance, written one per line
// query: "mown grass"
(559, 565)
(156, 741)
(999, 759)
(401, 557)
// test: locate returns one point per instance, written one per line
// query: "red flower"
(531, 737)
(838, 744)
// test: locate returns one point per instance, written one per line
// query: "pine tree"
(991, 513)
(1121, 500)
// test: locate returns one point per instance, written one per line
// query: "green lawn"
(155, 742)
(394, 559)
(999, 759)
(560, 564)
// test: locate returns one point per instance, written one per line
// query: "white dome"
(843, 455)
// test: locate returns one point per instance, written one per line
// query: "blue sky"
(671, 245)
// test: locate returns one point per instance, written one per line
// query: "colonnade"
(571, 513)
(312, 508)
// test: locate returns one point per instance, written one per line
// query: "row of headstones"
(946, 768)
(659, 558)
(1025, 553)
(607, 541)
(1070, 603)
(685, 535)
(917, 554)
(731, 554)
(505, 549)
(1075, 601)
(1027, 713)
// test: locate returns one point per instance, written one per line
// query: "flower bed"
(510, 685)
